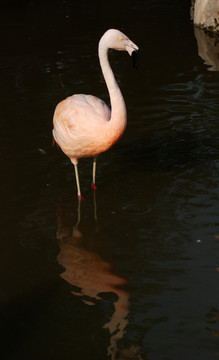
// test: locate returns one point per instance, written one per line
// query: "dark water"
(137, 277)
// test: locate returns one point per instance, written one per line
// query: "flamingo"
(83, 125)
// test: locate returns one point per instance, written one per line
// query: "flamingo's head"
(115, 39)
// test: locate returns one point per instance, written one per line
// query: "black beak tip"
(135, 58)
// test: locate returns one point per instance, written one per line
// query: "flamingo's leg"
(93, 185)
(77, 181)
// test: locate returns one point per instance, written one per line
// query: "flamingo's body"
(84, 126)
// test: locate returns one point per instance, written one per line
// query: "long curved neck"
(118, 109)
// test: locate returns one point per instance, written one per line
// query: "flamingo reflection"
(86, 256)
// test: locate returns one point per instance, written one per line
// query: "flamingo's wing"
(81, 109)
(79, 122)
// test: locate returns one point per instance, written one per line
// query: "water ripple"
(135, 209)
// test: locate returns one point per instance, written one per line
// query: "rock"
(206, 14)
(208, 49)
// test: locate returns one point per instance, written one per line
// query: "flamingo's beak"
(135, 58)
(133, 50)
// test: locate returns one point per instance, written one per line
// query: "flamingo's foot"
(93, 186)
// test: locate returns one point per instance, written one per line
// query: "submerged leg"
(77, 181)
(95, 206)
(93, 185)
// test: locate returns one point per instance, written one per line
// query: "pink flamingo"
(84, 126)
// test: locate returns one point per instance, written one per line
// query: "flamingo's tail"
(54, 142)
